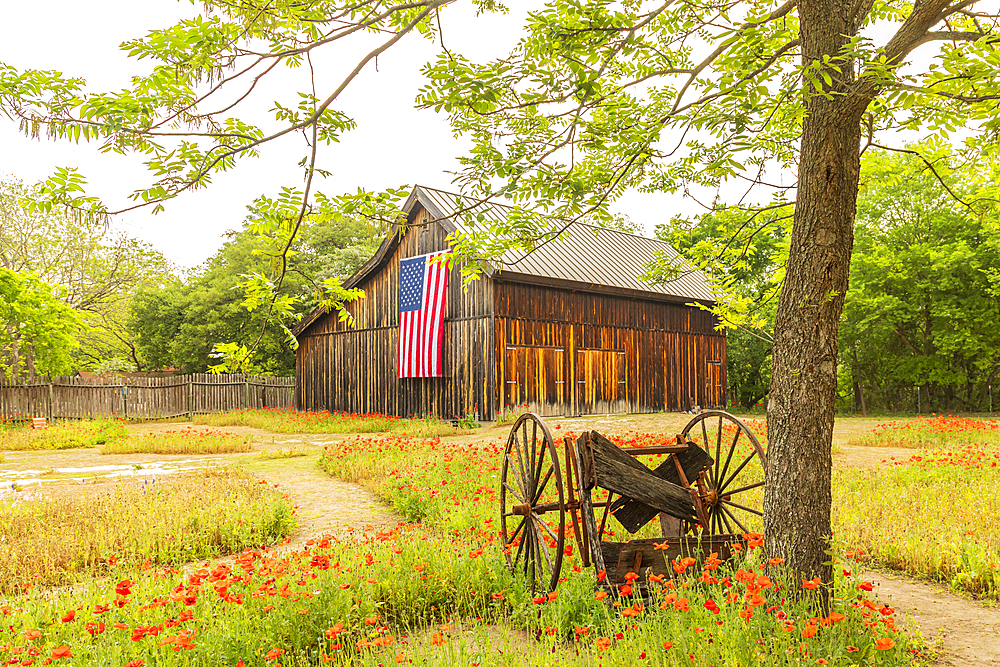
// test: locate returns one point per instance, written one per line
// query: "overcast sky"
(393, 145)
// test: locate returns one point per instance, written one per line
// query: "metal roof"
(581, 253)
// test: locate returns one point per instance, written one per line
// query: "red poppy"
(95, 628)
(884, 644)
(124, 587)
(273, 653)
(712, 606)
(61, 652)
(70, 615)
(32, 635)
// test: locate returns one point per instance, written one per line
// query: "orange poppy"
(61, 652)
(884, 644)
(809, 631)
(32, 635)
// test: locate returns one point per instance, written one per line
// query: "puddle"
(38, 477)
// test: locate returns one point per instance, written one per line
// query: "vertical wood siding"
(507, 344)
(354, 369)
(619, 354)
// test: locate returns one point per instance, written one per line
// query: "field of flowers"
(287, 420)
(181, 441)
(436, 590)
(711, 613)
(933, 431)
(935, 514)
(62, 435)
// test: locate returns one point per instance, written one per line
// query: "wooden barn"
(567, 329)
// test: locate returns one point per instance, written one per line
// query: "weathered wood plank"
(617, 471)
(633, 515)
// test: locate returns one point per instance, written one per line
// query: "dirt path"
(965, 632)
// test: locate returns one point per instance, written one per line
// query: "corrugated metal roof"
(581, 253)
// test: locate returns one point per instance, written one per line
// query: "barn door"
(535, 377)
(713, 385)
(600, 381)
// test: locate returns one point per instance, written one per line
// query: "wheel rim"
(735, 480)
(532, 506)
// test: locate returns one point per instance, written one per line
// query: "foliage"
(61, 435)
(922, 310)
(96, 271)
(37, 330)
(62, 539)
(184, 441)
(595, 99)
(185, 323)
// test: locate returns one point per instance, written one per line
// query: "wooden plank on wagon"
(617, 471)
(633, 515)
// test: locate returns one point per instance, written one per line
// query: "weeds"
(185, 441)
(282, 420)
(61, 435)
(48, 541)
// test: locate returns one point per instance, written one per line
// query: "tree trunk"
(858, 389)
(797, 500)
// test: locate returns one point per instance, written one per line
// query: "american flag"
(423, 285)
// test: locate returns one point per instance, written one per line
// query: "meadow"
(433, 590)
(934, 514)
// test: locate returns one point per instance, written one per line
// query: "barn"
(568, 329)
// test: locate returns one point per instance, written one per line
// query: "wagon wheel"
(531, 486)
(735, 482)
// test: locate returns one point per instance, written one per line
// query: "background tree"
(181, 322)
(38, 331)
(97, 271)
(920, 311)
(595, 99)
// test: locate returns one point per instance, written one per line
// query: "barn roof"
(582, 257)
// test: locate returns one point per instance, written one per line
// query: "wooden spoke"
(750, 456)
(532, 460)
(745, 509)
(748, 487)
(733, 517)
(541, 489)
(729, 441)
(516, 494)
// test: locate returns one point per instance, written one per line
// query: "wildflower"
(32, 635)
(809, 631)
(273, 653)
(437, 639)
(668, 645)
(746, 613)
(660, 546)
(139, 662)
(603, 643)
(64, 652)
(70, 615)
(884, 644)
(712, 606)
(865, 586)
(95, 628)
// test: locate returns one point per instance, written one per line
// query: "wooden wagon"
(704, 503)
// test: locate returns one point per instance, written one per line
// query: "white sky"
(393, 145)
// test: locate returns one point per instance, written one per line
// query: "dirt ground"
(965, 632)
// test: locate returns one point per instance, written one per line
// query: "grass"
(50, 541)
(60, 435)
(291, 453)
(185, 441)
(935, 515)
(282, 420)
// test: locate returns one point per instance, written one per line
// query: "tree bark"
(797, 498)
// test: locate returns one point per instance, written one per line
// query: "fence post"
(246, 391)
(52, 403)
(190, 398)
(124, 401)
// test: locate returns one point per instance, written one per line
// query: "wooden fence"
(143, 398)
